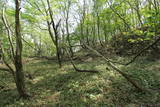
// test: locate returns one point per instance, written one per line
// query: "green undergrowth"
(52, 86)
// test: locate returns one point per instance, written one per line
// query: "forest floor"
(64, 87)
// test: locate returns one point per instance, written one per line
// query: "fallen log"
(125, 75)
(80, 70)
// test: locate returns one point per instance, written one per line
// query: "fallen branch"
(151, 45)
(138, 54)
(77, 69)
(126, 76)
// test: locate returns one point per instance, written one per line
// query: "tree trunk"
(55, 29)
(68, 35)
(18, 56)
(98, 27)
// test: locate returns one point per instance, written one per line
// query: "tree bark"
(18, 55)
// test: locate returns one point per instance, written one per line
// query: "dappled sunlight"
(54, 97)
(37, 79)
(83, 87)
(53, 86)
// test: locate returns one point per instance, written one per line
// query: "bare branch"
(126, 76)
(8, 32)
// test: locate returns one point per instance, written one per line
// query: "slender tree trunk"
(105, 31)
(9, 33)
(87, 31)
(98, 26)
(55, 29)
(18, 55)
(94, 35)
(82, 36)
(58, 51)
(68, 35)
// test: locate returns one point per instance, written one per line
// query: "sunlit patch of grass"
(54, 97)
(37, 79)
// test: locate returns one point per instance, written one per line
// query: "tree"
(18, 54)
(47, 12)
(66, 10)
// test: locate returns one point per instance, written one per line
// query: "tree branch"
(126, 76)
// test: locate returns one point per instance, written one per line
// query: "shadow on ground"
(63, 87)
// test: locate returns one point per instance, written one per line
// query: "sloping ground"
(63, 87)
